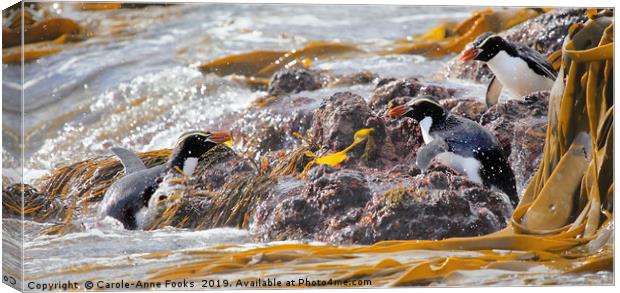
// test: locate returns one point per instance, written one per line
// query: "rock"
(266, 129)
(362, 77)
(389, 89)
(338, 118)
(520, 126)
(366, 206)
(405, 136)
(329, 201)
(544, 33)
(468, 108)
(411, 170)
(295, 80)
(439, 205)
(470, 70)
(219, 166)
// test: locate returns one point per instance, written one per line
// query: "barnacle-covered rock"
(469, 108)
(291, 80)
(405, 137)
(328, 201)
(440, 204)
(268, 128)
(389, 89)
(337, 118)
(220, 165)
(520, 126)
(546, 32)
(364, 206)
(294, 80)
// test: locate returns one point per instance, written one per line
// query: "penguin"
(519, 69)
(460, 143)
(128, 196)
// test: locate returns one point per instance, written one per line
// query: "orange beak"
(398, 111)
(220, 136)
(469, 54)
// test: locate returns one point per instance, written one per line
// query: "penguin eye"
(162, 197)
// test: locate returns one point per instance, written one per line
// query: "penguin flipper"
(494, 90)
(429, 151)
(130, 161)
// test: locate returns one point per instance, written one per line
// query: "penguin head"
(484, 48)
(191, 145)
(420, 108)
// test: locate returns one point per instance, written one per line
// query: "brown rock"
(338, 118)
(520, 126)
(469, 108)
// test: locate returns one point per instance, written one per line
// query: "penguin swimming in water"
(459, 143)
(520, 69)
(130, 194)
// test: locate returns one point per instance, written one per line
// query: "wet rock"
(297, 79)
(266, 138)
(265, 129)
(338, 118)
(520, 126)
(366, 206)
(471, 70)
(403, 133)
(330, 200)
(389, 89)
(221, 165)
(544, 33)
(294, 80)
(469, 108)
(363, 77)
(411, 170)
(440, 204)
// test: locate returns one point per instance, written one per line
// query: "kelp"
(339, 157)
(33, 51)
(446, 39)
(563, 224)
(43, 30)
(441, 40)
(24, 200)
(230, 206)
(263, 64)
(41, 37)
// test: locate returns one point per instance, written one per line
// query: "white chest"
(425, 126)
(516, 76)
(468, 166)
(190, 166)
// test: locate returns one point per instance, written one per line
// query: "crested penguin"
(459, 143)
(519, 69)
(129, 195)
